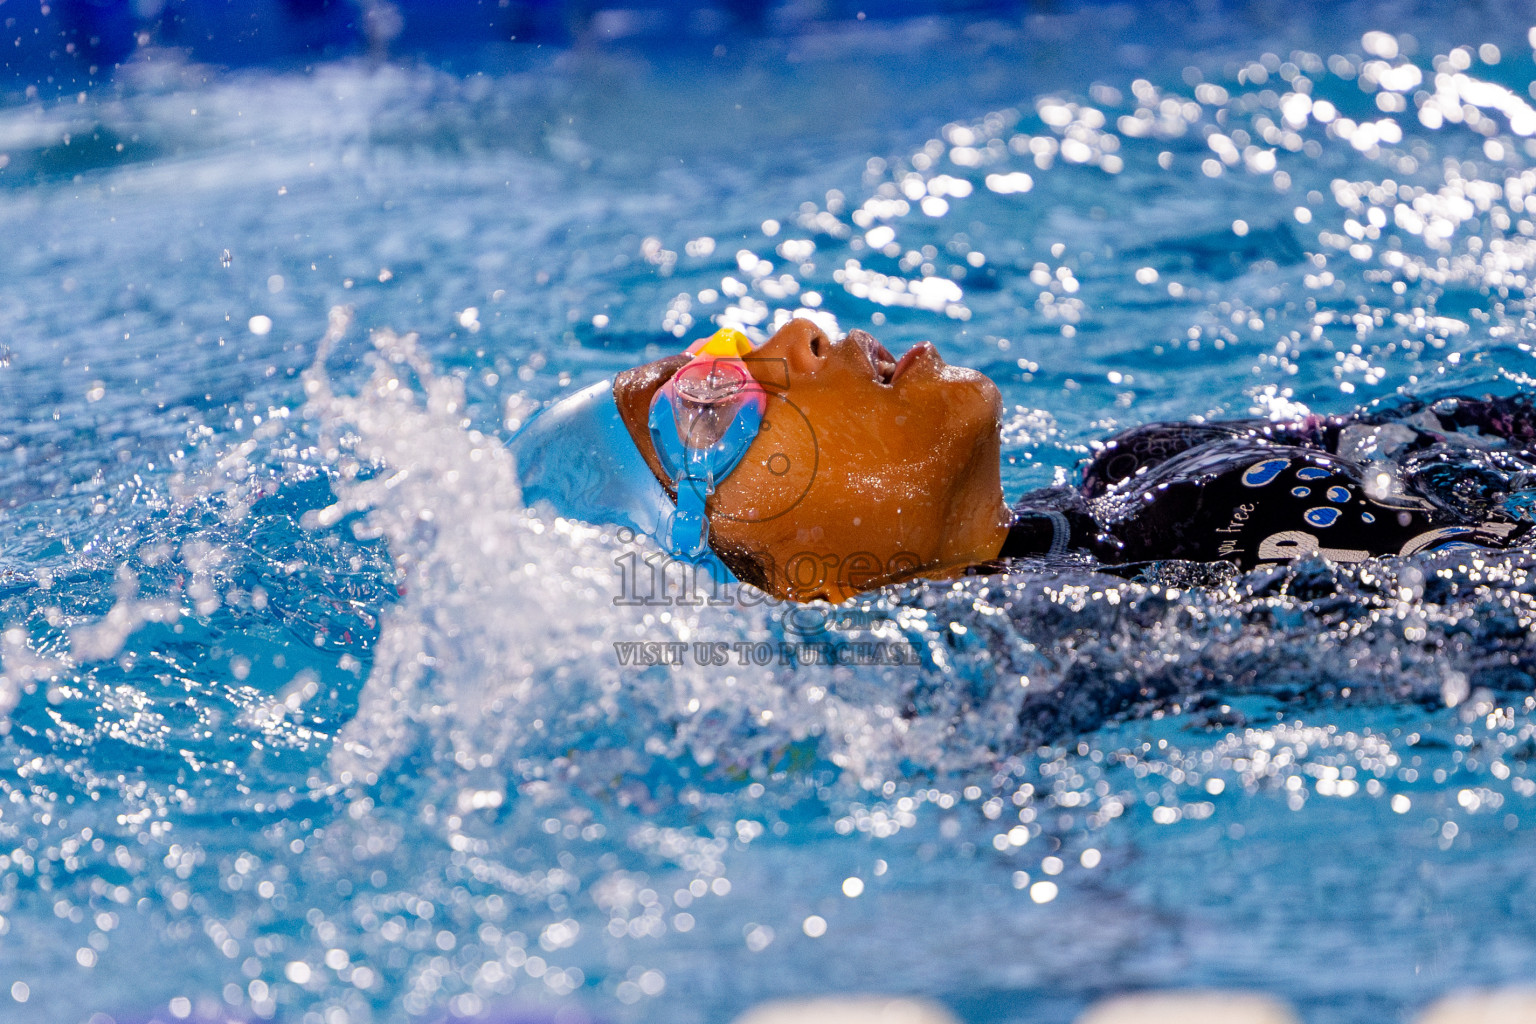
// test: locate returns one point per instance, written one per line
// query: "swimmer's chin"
(781, 586)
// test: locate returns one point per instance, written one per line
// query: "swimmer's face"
(868, 469)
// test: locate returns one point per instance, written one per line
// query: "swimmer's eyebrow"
(772, 372)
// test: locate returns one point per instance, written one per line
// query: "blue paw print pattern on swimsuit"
(1312, 473)
(1366, 517)
(1262, 473)
(1338, 495)
(1322, 516)
(1300, 492)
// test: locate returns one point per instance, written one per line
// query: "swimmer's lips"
(886, 367)
(919, 351)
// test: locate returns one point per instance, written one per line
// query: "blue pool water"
(307, 719)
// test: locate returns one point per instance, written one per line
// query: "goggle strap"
(698, 467)
(690, 525)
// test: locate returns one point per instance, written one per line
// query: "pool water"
(307, 718)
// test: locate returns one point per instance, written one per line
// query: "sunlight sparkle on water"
(308, 599)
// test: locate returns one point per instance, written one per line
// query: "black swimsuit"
(1410, 479)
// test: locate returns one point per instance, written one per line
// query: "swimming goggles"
(702, 421)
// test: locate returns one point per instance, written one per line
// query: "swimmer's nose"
(801, 344)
